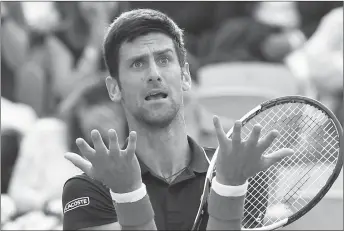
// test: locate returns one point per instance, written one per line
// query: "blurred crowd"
(53, 89)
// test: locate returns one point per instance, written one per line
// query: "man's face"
(151, 79)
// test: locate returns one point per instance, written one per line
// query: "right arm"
(119, 170)
(86, 204)
(116, 226)
(95, 211)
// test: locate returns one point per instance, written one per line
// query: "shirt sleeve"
(86, 203)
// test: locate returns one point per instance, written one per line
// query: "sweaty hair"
(132, 24)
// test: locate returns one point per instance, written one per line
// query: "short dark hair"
(132, 24)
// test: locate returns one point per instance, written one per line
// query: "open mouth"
(156, 96)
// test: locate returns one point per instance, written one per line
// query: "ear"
(113, 89)
(186, 78)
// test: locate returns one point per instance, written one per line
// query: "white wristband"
(129, 197)
(228, 190)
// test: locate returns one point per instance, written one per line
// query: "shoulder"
(81, 178)
(83, 185)
(86, 203)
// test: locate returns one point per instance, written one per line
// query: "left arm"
(229, 221)
(236, 162)
(217, 224)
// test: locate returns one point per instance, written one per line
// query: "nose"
(154, 73)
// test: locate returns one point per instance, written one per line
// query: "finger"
(275, 157)
(79, 162)
(267, 140)
(85, 149)
(254, 136)
(113, 144)
(130, 151)
(98, 143)
(236, 135)
(220, 133)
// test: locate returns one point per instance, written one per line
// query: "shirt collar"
(199, 161)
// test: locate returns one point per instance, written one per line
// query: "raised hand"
(118, 169)
(238, 160)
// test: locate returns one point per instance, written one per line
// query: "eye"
(137, 64)
(164, 60)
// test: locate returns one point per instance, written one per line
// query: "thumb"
(275, 157)
(81, 163)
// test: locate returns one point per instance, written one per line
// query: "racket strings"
(285, 187)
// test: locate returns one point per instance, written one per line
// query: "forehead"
(145, 45)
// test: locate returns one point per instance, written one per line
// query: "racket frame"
(247, 117)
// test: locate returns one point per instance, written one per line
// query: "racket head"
(278, 196)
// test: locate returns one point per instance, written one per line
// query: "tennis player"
(155, 182)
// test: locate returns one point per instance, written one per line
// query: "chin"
(161, 117)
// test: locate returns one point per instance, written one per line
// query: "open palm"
(238, 160)
(118, 169)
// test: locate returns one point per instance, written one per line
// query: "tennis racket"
(290, 188)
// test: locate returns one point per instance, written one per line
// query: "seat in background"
(233, 89)
(263, 76)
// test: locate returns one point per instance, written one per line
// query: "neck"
(165, 151)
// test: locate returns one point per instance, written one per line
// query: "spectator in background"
(312, 12)
(285, 18)
(66, 44)
(63, 41)
(16, 121)
(9, 152)
(320, 62)
(14, 47)
(297, 22)
(16, 118)
(8, 209)
(242, 31)
(36, 186)
(269, 32)
(34, 192)
(40, 170)
(74, 47)
(88, 107)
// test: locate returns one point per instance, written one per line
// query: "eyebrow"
(160, 52)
